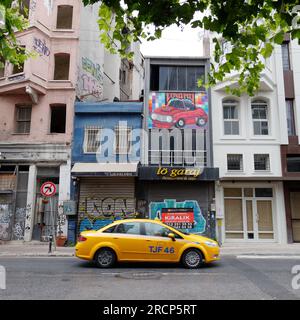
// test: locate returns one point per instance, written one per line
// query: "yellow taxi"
(145, 240)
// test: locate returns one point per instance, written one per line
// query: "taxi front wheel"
(192, 259)
(105, 258)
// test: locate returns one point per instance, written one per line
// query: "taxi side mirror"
(171, 236)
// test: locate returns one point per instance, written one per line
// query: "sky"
(175, 42)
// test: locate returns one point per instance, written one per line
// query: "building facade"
(290, 150)
(105, 158)
(177, 175)
(37, 107)
(248, 136)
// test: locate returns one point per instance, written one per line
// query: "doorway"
(249, 214)
(295, 214)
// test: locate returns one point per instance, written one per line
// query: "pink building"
(37, 107)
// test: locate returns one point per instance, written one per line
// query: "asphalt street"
(51, 278)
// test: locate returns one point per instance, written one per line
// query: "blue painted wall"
(104, 115)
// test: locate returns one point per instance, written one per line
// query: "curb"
(9, 254)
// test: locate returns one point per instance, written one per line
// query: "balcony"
(19, 83)
(184, 158)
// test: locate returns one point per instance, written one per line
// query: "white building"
(247, 136)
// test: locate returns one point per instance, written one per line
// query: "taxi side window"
(128, 228)
(110, 230)
(153, 229)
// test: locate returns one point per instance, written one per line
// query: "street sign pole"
(53, 224)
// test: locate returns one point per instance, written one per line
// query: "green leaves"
(251, 28)
(11, 21)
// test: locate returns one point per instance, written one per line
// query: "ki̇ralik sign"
(180, 218)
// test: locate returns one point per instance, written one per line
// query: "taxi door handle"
(115, 238)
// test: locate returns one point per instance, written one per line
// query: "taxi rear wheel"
(192, 259)
(105, 258)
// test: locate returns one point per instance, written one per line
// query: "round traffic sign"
(48, 189)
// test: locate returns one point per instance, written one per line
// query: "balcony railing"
(184, 158)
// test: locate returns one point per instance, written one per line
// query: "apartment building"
(177, 176)
(37, 110)
(250, 136)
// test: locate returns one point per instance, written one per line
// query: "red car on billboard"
(179, 113)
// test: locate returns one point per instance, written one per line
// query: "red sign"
(48, 189)
(182, 218)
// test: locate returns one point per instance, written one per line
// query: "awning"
(105, 169)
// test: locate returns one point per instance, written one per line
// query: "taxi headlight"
(211, 244)
(154, 116)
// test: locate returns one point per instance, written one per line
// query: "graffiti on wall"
(90, 80)
(95, 213)
(19, 224)
(5, 216)
(40, 47)
(155, 210)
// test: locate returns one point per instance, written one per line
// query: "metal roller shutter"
(105, 199)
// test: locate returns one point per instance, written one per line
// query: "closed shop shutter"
(104, 199)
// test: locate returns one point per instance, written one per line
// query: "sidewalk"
(38, 249)
(34, 249)
(260, 249)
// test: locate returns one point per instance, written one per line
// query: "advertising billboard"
(178, 109)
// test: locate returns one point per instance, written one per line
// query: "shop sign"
(181, 218)
(179, 173)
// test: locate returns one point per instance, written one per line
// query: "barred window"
(262, 162)
(231, 117)
(92, 138)
(122, 140)
(23, 119)
(260, 117)
(234, 162)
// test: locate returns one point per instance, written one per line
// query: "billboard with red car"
(179, 110)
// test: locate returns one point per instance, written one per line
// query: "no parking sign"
(48, 189)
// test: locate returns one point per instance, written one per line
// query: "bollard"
(50, 243)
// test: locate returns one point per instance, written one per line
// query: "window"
(261, 162)
(153, 229)
(290, 117)
(58, 119)
(20, 67)
(122, 140)
(285, 56)
(128, 228)
(176, 78)
(231, 117)
(293, 163)
(110, 230)
(92, 139)
(64, 17)
(260, 117)
(235, 162)
(23, 119)
(24, 7)
(61, 66)
(263, 192)
(2, 67)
